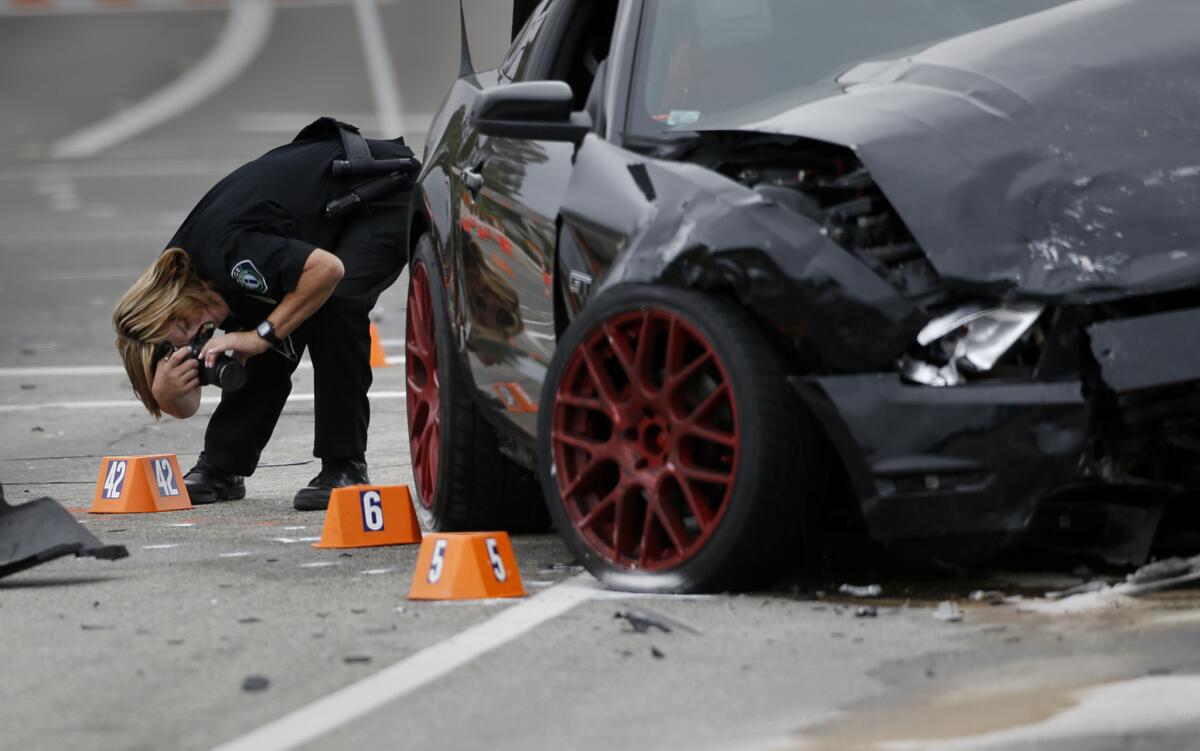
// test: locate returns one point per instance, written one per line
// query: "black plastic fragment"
(256, 683)
(42, 530)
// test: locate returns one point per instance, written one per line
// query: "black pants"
(372, 250)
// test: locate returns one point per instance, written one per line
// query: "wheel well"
(844, 511)
(418, 225)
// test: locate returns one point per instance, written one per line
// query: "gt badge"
(249, 278)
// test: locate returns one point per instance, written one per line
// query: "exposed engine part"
(829, 185)
(971, 339)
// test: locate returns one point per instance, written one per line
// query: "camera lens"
(229, 374)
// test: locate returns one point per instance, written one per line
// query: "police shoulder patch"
(249, 278)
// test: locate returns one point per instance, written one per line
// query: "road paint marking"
(70, 370)
(362, 698)
(103, 7)
(238, 554)
(293, 529)
(159, 547)
(208, 401)
(89, 275)
(294, 540)
(54, 371)
(184, 524)
(245, 33)
(318, 564)
(411, 123)
(377, 571)
(126, 168)
(379, 68)
(292, 122)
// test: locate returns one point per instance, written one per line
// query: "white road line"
(293, 122)
(379, 68)
(66, 370)
(125, 168)
(51, 371)
(245, 32)
(89, 275)
(359, 699)
(103, 7)
(208, 401)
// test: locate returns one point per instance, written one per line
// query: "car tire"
(462, 480)
(670, 446)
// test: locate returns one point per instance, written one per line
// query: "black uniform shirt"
(253, 231)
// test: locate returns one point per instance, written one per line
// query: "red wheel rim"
(645, 440)
(423, 387)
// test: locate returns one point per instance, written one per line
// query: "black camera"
(226, 372)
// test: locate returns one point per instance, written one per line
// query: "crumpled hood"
(1056, 156)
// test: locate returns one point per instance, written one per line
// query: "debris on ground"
(640, 622)
(568, 568)
(255, 683)
(42, 530)
(1079, 589)
(948, 612)
(990, 596)
(644, 619)
(1170, 573)
(356, 659)
(657, 653)
(867, 611)
(1168, 568)
(870, 590)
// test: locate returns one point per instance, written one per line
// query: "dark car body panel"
(1055, 158)
(704, 231)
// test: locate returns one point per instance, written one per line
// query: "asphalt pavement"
(225, 626)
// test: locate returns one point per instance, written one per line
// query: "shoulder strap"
(355, 146)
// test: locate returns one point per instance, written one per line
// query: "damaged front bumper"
(961, 473)
(959, 470)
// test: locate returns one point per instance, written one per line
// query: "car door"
(508, 197)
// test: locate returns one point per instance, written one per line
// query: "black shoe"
(207, 484)
(335, 473)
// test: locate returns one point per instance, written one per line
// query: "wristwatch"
(266, 330)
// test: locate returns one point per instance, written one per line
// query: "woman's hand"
(176, 385)
(243, 345)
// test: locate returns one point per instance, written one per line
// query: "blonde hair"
(143, 318)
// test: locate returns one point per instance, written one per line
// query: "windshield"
(699, 61)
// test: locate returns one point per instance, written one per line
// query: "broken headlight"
(969, 340)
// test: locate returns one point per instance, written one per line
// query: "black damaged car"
(708, 276)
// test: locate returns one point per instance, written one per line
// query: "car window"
(516, 62)
(701, 61)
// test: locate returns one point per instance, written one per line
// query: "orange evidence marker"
(366, 516)
(466, 566)
(378, 356)
(140, 484)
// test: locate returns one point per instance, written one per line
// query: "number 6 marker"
(368, 516)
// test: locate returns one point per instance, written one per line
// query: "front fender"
(637, 219)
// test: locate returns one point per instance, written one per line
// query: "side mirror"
(536, 110)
